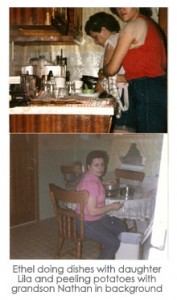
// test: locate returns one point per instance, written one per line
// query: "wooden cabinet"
(70, 115)
(45, 25)
(60, 123)
(23, 179)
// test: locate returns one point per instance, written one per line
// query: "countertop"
(76, 105)
(67, 115)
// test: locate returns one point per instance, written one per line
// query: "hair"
(146, 11)
(97, 154)
(99, 20)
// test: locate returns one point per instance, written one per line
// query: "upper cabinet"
(45, 25)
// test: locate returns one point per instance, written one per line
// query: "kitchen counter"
(67, 115)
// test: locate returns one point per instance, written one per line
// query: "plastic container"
(130, 244)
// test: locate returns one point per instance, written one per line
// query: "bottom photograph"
(88, 196)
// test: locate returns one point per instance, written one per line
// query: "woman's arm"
(123, 44)
(94, 210)
(107, 56)
(109, 50)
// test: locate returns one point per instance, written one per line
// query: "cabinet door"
(23, 179)
(29, 16)
(50, 25)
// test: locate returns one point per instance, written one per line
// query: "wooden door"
(163, 19)
(23, 178)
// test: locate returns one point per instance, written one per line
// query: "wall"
(55, 150)
(82, 60)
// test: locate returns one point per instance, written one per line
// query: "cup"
(62, 92)
(78, 91)
(60, 82)
(78, 84)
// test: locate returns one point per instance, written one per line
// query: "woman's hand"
(99, 87)
(113, 181)
(116, 205)
(101, 76)
(121, 78)
(94, 210)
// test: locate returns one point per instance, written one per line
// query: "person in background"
(98, 225)
(75, 177)
(104, 29)
(141, 51)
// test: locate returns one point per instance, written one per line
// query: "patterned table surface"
(140, 207)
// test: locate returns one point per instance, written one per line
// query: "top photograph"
(88, 70)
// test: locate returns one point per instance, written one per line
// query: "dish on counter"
(93, 95)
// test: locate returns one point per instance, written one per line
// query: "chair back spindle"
(67, 217)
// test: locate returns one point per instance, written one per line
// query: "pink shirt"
(94, 186)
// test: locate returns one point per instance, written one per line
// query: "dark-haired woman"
(104, 29)
(98, 225)
(141, 52)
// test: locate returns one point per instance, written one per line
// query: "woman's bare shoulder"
(135, 25)
(136, 29)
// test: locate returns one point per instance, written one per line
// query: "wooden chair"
(67, 217)
(133, 176)
(129, 174)
(66, 172)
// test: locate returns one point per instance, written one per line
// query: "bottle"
(51, 86)
(45, 84)
(58, 60)
(67, 71)
(49, 75)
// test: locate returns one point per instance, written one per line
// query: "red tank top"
(148, 60)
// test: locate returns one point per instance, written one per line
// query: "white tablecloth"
(138, 208)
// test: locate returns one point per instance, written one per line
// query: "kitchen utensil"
(90, 81)
(126, 191)
(112, 190)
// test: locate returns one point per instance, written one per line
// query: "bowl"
(94, 95)
(126, 191)
(90, 81)
(112, 190)
(88, 91)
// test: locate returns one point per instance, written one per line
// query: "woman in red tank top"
(141, 51)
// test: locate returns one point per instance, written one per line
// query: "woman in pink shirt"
(98, 225)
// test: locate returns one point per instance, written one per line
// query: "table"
(68, 115)
(141, 206)
(137, 208)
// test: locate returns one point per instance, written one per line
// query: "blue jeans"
(127, 121)
(105, 231)
(149, 95)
